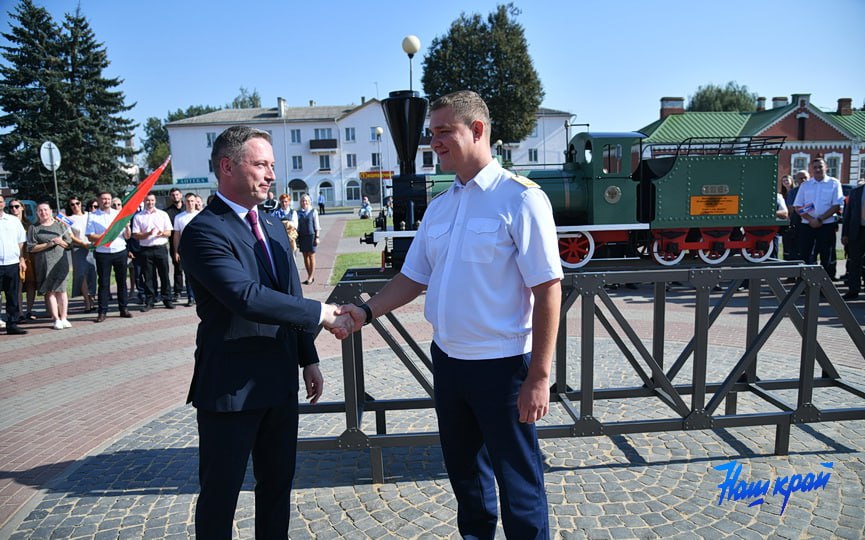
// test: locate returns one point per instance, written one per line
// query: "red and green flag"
(130, 206)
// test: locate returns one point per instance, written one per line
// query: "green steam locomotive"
(616, 198)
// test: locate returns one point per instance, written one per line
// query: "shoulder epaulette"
(524, 181)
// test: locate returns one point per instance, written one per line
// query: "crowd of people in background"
(818, 206)
(39, 259)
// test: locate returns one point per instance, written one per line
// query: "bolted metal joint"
(353, 438)
(698, 420)
(806, 412)
(587, 426)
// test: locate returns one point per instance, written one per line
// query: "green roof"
(678, 127)
(854, 123)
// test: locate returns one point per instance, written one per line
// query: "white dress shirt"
(479, 250)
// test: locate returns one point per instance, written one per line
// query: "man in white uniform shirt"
(108, 257)
(817, 202)
(486, 253)
(181, 220)
(12, 238)
(152, 228)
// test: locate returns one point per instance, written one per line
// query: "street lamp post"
(410, 45)
(378, 133)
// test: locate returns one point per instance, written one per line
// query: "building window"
(324, 162)
(351, 161)
(295, 136)
(534, 132)
(349, 134)
(323, 133)
(800, 128)
(211, 137)
(210, 165)
(376, 160)
(297, 163)
(428, 159)
(372, 136)
(861, 170)
(800, 162)
(352, 191)
(533, 155)
(833, 164)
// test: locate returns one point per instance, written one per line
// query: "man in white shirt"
(486, 253)
(152, 228)
(180, 221)
(12, 238)
(817, 202)
(109, 257)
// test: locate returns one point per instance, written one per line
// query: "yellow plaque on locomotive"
(714, 205)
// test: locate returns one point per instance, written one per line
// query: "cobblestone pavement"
(95, 441)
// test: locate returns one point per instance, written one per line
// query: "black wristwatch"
(368, 312)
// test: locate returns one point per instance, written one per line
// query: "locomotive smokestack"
(405, 112)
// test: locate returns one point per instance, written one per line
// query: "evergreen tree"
(95, 132)
(731, 98)
(53, 88)
(490, 57)
(30, 98)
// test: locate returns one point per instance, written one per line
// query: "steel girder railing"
(592, 286)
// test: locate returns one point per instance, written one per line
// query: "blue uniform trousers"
(483, 442)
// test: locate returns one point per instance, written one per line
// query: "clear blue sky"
(609, 63)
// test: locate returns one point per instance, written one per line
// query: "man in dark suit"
(853, 236)
(255, 329)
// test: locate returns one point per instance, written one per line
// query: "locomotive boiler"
(616, 198)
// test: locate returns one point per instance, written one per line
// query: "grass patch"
(344, 261)
(355, 228)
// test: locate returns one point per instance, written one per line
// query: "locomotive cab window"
(612, 158)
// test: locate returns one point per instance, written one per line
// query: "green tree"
(491, 57)
(30, 97)
(731, 98)
(96, 133)
(155, 145)
(245, 100)
(53, 88)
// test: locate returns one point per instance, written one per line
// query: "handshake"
(341, 321)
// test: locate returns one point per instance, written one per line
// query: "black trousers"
(105, 263)
(10, 284)
(225, 441)
(154, 262)
(819, 242)
(178, 269)
(855, 255)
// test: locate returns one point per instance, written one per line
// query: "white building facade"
(335, 151)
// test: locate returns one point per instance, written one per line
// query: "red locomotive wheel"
(575, 250)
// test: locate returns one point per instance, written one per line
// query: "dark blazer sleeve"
(255, 326)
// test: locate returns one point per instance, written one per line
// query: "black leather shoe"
(15, 330)
(100, 317)
(125, 314)
(190, 302)
(146, 307)
(168, 304)
(851, 296)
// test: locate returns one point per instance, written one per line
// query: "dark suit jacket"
(851, 227)
(256, 328)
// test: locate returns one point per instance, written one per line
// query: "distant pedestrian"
(12, 238)
(49, 242)
(817, 202)
(111, 256)
(308, 229)
(321, 201)
(152, 228)
(83, 263)
(28, 275)
(175, 206)
(180, 222)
